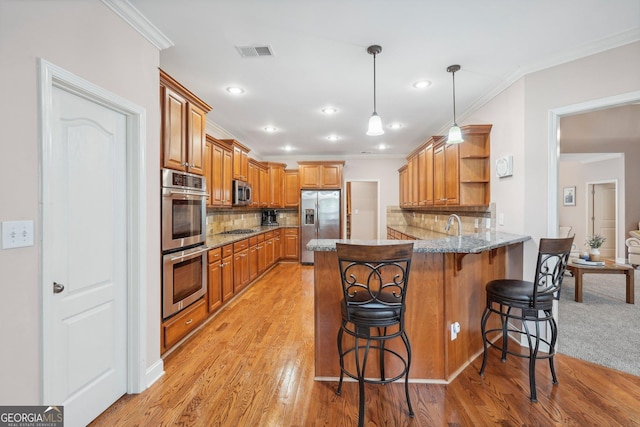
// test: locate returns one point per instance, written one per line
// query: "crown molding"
(139, 22)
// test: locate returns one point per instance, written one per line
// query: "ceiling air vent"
(254, 51)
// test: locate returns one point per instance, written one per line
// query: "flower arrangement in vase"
(595, 241)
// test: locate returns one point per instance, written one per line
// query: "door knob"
(57, 287)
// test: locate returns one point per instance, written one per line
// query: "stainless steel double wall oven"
(184, 250)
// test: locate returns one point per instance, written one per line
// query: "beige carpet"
(603, 329)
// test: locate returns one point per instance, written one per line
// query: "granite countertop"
(217, 240)
(433, 242)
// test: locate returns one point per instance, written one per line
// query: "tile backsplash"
(225, 220)
(436, 220)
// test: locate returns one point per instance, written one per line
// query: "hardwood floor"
(252, 365)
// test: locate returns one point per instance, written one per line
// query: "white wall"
(520, 118)
(89, 40)
(579, 174)
(364, 210)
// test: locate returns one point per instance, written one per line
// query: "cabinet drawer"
(269, 235)
(241, 245)
(183, 323)
(253, 241)
(261, 237)
(214, 255)
(290, 231)
(227, 251)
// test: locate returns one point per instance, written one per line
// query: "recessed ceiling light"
(395, 125)
(333, 137)
(288, 148)
(421, 84)
(382, 147)
(270, 129)
(329, 110)
(235, 90)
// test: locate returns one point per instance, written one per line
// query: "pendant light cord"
(374, 83)
(454, 98)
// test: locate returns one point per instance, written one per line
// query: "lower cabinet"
(227, 272)
(240, 265)
(182, 323)
(262, 254)
(290, 244)
(253, 258)
(214, 280)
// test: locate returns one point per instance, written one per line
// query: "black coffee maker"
(269, 217)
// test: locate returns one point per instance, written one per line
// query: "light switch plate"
(17, 234)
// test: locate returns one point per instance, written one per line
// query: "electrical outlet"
(455, 330)
(501, 219)
(488, 223)
(17, 234)
(475, 223)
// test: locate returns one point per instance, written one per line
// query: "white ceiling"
(320, 60)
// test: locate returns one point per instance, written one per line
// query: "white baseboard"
(154, 372)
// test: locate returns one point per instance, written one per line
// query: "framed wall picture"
(569, 196)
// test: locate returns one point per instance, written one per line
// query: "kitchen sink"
(239, 231)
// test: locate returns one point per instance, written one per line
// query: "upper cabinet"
(276, 184)
(441, 174)
(240, 160)
(255, 168)
(291, 189)
(183, 123)
(219, 173)
(320, 175)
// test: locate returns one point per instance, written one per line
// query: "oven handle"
(170, 191)
(189, 255)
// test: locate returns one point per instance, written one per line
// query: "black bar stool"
(374, 284)
(533, 302)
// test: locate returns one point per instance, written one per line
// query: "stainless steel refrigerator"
(320, 219)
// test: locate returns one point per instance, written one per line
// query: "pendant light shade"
(375, 122)
(455, 135)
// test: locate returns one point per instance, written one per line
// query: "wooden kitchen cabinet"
(320, 175)
(220, 173)
(227, 272)
(474, 166)
(262, 254)
(404, 186)
(253, 258)
(291, 189)
(240, 159)
(177, 327)
(290, 244)
(214, 279)
(240, 265)
(264, 186)
(276, 184)
(183, 127)
(255, 170)
(270, 245)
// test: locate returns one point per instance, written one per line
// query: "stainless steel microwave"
(241, 193)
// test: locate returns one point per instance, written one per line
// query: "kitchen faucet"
(450, 220)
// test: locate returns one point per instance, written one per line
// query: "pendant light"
(455, 135)
(375, 123)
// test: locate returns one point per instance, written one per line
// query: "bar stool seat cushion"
(373, 310)
(514, 290)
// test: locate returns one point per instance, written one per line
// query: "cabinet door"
(227, 278)
(270, 252)
(254, 180)
(240, 164)
(276, 181)
(414, 196)
(208, 171)
(291, 189)
(425, 176)
(217, 173)
(264, 188)
(291, 246)
(240, 270)
(227, 165)
(174, 118)
(309, 176)
(262, 257)
(439, 177)
(452, 178)
(277, 247)
(215, 286)
(196, 137)
(331, 176)
(253, 262)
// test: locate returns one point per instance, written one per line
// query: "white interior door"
(85, 251)
(603, 218)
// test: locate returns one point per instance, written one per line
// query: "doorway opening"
(362, 213)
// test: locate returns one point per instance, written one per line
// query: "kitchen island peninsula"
(446, 286)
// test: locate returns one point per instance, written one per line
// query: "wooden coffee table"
(609, 267)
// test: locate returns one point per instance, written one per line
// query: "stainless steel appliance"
(184, 252)
(184, 278)
(320, 219)
(241, 193)
(269, 217)
(184, 209)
